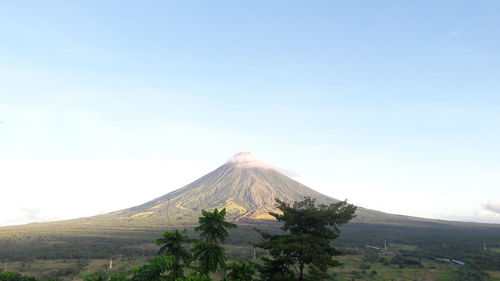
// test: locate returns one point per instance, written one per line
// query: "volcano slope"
(247, 188)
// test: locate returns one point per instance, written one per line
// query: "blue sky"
(394, 105)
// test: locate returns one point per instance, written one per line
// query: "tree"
(154, 270)
(467, 273)
(172, 244)
(213, 231)
(213, 226)
(240, 271)
(275, 270)
(304, 252)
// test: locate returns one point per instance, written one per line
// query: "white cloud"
(492, 207)
(486, 213)
(246, 159)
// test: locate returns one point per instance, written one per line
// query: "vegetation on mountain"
(305, 251)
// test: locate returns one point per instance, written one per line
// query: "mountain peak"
(245, 159)
(245, 186)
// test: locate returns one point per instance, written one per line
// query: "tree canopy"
(172, 244)
(213, 231)
(305, 251)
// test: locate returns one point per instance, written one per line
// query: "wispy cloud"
(455, 32)
(27, 215)
(493, 207)
(487, 213)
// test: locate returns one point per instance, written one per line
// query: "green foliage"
(213, 230)
(404, 261)
(240, 271)
(114, 277)
(154, 270)
(207, 251)
(298, 224)
(211, 256)
(174, 258)
(275, 270)
(465, 273)
(365, 266)
(118, 277)
(213, 226)
(79, 240)
(9, 276)
(96, 278)
(172, 244)
(196, 277)
(304, 253)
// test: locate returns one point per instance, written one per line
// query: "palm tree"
(213, 226)
(213, 231)
(172, 244)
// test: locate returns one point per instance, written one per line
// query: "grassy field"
(495, 250)
(355, 268)
(66, 269)
(58, 251)
(396, 263)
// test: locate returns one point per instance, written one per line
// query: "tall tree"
(305, 251)
(172, 244)
(213, 232)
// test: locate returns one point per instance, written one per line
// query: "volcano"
(246, 186)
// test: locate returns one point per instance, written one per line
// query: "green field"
(73, 251)
(495, 250)
(360, 264)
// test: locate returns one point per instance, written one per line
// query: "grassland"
(357, 264)
(495, 250)
(71, 251)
